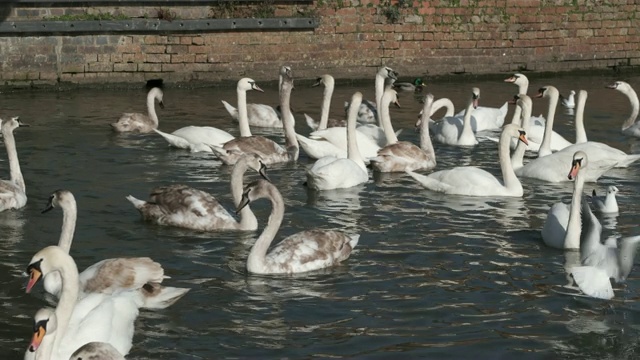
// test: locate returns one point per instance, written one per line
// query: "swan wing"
(335, 173)
(263, 116)
(173, 140)
(555, 226)
(203, 134)
(400, 157)
(318, 149)
(113, 275)
(467, 180)
(310, 250)
(593, 281)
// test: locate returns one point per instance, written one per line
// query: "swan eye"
(522, 133)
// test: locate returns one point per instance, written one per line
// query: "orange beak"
(523, 138)
(34, 276)
(36, 340)
(574, 170)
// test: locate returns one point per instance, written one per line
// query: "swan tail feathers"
(158, 297)
(311, 123)
(174, 140)
(628, 160)
(593, 281)
(230, 109)
(353, 240)
(136, 202)
(399, 132)
(430, 183)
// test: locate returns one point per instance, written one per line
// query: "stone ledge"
(145, 26)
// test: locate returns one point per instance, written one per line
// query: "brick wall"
(429, 38)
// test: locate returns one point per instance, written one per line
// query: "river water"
(432, 276)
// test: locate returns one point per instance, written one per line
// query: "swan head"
(44, 262)
(59, 198)
(579, 161)
(548, 91)
(326, 80)
(286, 71)
(524, 102)
(425, 112)
(387, 73)
(572, 93)
(475, 97)
(517, 79)
(256, 190)
(12, 124)
(390, 96)
(246, 84)
(254, 162)
(44, 322)
(156, 93)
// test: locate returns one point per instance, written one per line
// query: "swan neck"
(523, 87)
(290, 139)
(635, 108)
(509, 177)
(14, 163)
(545, 146)
(581, 132)
(256, 262)
(517, 158)
(353, 152)
(68, 298)
(379, 91)
(572, 237)
(243, 115)
(387, 127)
(517, 113)
(151, 108)
(443, 103)
(425, 139)
(326, 105)
(466, 124)
(69, 217)
(247, 219)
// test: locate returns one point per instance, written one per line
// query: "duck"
(606, 204)
(562, 226)
(259, 115)
(416, 86)
(268, 150)
(329, 83)
(451, 131)
(185, 207)
(301, 252)
(141, 123)
(600, 262)
(569, 101)
(331, 172)
(472, 181)
(631, 126)
(402, 156)
(13, 192)
(109, 276)
(97, 317)
(201, 138)
(554, 167)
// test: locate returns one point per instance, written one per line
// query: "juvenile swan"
(472, 181)
(186, 207)
(140, 274)
(137, 122)
(97, 351)
(13, 194)
(305, 251)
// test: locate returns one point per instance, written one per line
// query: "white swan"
(338, 173)
(45, 325)
(522, 82)
(569, 101)
(186, 207)
(403, 155)
(140, 274)
(601, 262)
(368, 112)
(13, 193)
(96, 317)
(606, 204)
(268, 150)
(301, 252)
(546, 140)
(259, 115)
(561, 229)
(472, 181)
(487, 118)
(137, 122)
(201, 138)
(329, 83)
(450, 131)
(554, 167)
(630, 126)
(97, 351)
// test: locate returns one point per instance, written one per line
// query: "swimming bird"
(141, 123)
(630, 126)
(607, 204)
(569, 101)
(301, 252)
(13, 193)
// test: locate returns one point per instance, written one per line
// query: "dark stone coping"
(129, 2)
(151, 26)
